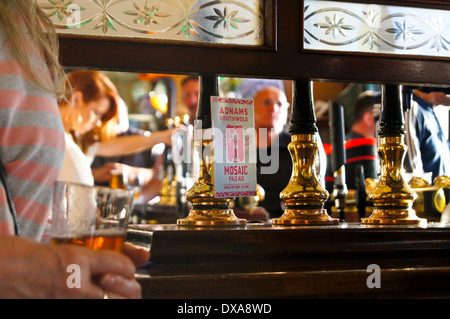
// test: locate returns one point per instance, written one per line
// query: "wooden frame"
(283, 57)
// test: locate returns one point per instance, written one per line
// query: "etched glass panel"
(223, 21)
(370, 28)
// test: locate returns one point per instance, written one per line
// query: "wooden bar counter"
(264, 261)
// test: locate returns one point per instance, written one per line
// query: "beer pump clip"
(207, 210)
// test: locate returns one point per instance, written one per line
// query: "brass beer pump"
(304, 197)
(206, 209)
(392, 197)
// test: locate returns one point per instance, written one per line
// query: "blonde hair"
(23, 22)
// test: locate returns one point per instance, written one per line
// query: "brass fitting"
(304, 197)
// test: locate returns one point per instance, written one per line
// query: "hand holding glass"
(94, 217)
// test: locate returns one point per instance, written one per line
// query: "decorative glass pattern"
(219, 21)
(369, 28)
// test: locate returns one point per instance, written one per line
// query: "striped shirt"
(31, 145)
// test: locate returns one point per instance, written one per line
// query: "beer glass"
(94, 217)
(118, 179)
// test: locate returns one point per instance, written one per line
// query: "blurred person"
(366, 111)
(190, 94)
(274, 163)
(360, 140)
(32, 152)
(428, 148)
(141, 168)
(349, 97)
(87, 115)
(93, 100)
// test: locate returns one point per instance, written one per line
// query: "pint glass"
(94, 217)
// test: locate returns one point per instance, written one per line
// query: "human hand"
(115, 286)
(33, 270)
(103, 174)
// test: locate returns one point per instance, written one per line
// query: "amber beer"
(95, 242)
(118, 180)
(93, 217)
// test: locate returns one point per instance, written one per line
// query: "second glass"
(94, 217)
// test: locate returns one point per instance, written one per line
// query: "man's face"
(190, 95)
(271, 108)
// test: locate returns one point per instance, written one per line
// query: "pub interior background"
(297, 261)
(134, 87)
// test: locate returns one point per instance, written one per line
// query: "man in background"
(360, 141)
(428, 148)
(190, 94)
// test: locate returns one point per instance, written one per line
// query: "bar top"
(144, 234)
(232, 262)
(266, 247)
